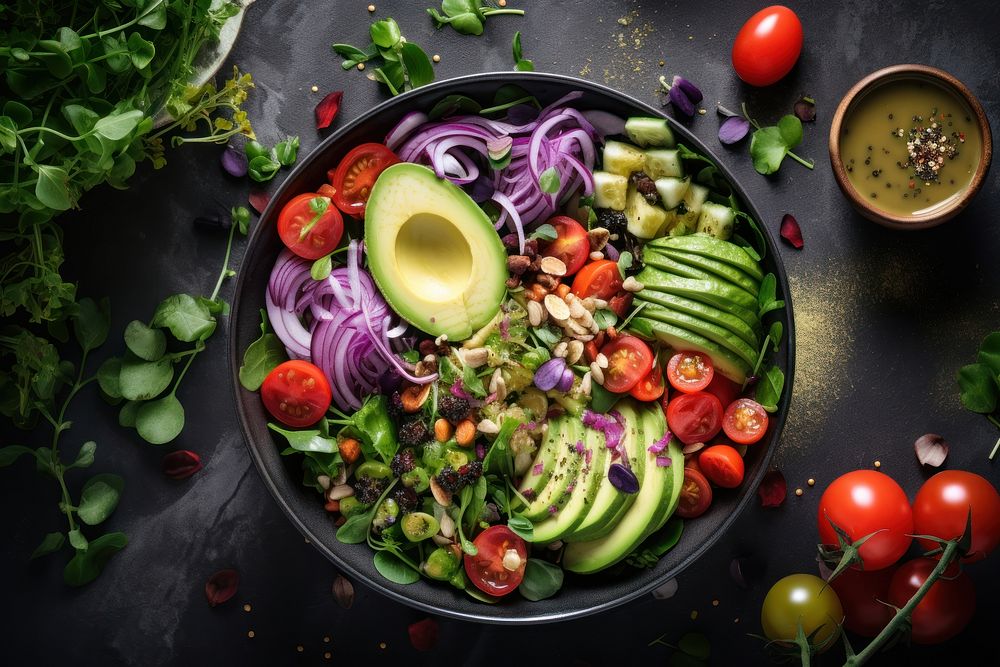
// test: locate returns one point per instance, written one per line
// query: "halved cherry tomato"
(696, 494)
(571, 245)
(498, 566)
(694, 417)
(724, 389)
(356, 174)
(690, 371)
(296, 393)
(722, 465)
(629, 361)
(309, 226)
(650, 387)
(745, 421)
(767, 46)
(600, 279)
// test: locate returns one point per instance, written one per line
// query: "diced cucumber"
(662, 162)
(647, 131)
(644, 219)
(716, 220)
(609, 190)
(623, 159)
(672, 190)
(693, 200)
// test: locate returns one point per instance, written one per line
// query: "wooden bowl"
(866, 207)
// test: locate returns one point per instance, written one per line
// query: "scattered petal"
(667, 590)
(221, 586)
(343, 591)
(327, 109)
(791, 232)
(234, 161)
(623, 479)
(424, 634)
(931, 449)
(692, 91)
(258, 200)
(181, 464)
(772, 489)
(733, 129)
(682, 103)
(805, 109)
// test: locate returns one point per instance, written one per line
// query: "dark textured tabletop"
(883, 321)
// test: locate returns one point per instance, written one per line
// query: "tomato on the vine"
(296, 393)
(942, 508)
(745, 421)
(806, 600)
(498, 566)
(651, 387)
(690, 371)
(696, 494)
(310, 226)
(946, 608)
(694, 417)
(863, 594)
(600, 279)
(866, 502)
(629, 361)
(356, 174)
(767, 46)
(722, 465)
(571, 245)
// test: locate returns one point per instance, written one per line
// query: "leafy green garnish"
(520, 63)
(466, 16)
(404, 64)
(769, 145)
(979, 383)
(544, 232)
(769, 387)
(548, 181)
(541, 580)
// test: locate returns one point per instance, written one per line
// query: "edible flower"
(791, 232)
(623, 479)
(327, 109)
(805, 109)
(683, 94)
(773, 489)
(554, 374)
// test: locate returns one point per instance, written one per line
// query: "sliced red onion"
(611, 252)
(404, 128)
(623, 479)
(515, 220)
(550, 374)
(660, 444)
(664, 461)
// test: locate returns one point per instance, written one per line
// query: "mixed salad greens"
(514, 341)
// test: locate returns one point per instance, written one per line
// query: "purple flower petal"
(690, 90)
(550, 374)
(623, 479)
(805, 110)
(733, 129)
(234, 161)
(681, 102)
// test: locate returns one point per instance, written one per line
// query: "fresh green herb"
(520, 63)
(507, 96)
(466, 16)
(602, 400)
(392, 567)
(979, 383)
(499, 460)
(521, 526)
(355, 530)
(769, 388)
(453, 105)
(767, 296)
(769, 145)
(545, 232)
(624, 263)
(541, 580)
(373, 428)
(468, 493)
(473, 382)
(649, 552)
(287, 151)
(548, 181)
(605, 318)
(404, 64)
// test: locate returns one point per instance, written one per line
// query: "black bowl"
(580, 595)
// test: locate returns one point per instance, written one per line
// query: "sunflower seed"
(574, 351)
(596, 373)
(535, 313)
(557, 307)
(601, 360)
(553, 266)
(632, 285)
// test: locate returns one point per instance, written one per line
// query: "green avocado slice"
(709, 246)
(672, 266)
(540, 472)
(732, 322)
(708, 265)
(553, 497)
(712, 332)
(725, 361)
(716, 292)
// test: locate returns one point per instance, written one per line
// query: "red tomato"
(864, 502)
(296, 393)
(767, 46)
(694, 417)
(745, 421)
(356, 174)
(600, 279)
(650, 387)
(690, 371)
(696, 494)
(629, 361)
(571, 245)
(487, 569)
(863, 595)
(946, 608)
(724, 389)
(942, 507)
(620, 303)
(309, 226)
(722, 465)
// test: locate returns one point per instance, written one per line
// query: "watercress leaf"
(85, 457)
(354, 55)
(145, 342)
(241, 215)
(8, 135)
(548, 181)
(376, 428)
(603, 400)
(160, 421)
(87, 565)
(989, 353)
(355, 529)
(77, 540)
(979, 388)
(91, 322)
(154, 15)
(50, 543)
(524, 66)
(394, 569)
(775, 333)
(516, 46)
(254, 149)
(141, 51)
(541, 580)
(521, 526)
(142, 380)
(453, 105)
(186, 318)
(262, 357)
(306, 441)
(768, 290)
(99, 498)
(18, 112)
(605, 318)
(385, 33)
(767, 150)
(391, 74)
(457, 7)
(493, 462)
(790, 128)
(126, 416)
(417, 65)
(473, 382)
(262, 168)
(52, 188)
(624, 263)
(286, 151)
(12, 453)
(119, 125)
(769, 388)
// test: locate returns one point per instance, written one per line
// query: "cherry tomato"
(296, 393)
(696, 494)
(690, 371)
(600, 279)
(863, 595)
(745, 421)
(309, 226)
(722, 465)
(498, 566)
(864, 502)
(767, 46)
(694, 417)
(942, 507)
(946, 608)
(650, 387)
(356, 174)
(571, 245)
(802, 599)
(629, 361)
(724, 389)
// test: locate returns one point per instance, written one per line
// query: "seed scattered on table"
(436, 58)
(715, 603)
(502, 3)
(371, 8)
(251, 634)
(811, 482)
(381, 645)
(694, 615)
(300, 648)
(327, 655)
(798, 492)
(361, 66)
(326, 640)
(878, 464)
(315, 89)
(247, 608)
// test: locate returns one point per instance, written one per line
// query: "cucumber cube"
(661, 162)
(623, 159)
(716, 220)
(646, 131)
(610, 190)
(644, 219)
(672, 190)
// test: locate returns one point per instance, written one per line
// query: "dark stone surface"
(884, 319)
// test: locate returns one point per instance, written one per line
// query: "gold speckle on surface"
(300, 648)
(315, 89)
(715, 603)
(878, 464)
(251, 634)
(436, 58)
(381, 645)
(662, 63)
(798, 492)
(811, 482)
(247, 607)
(371, 8)
(694, 615)
(327, 655)
(361, 66)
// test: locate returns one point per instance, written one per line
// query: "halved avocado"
(433, 252)
(726, 362)
(713, 266)
(716, 292)
(730, 321)
(709, 246)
